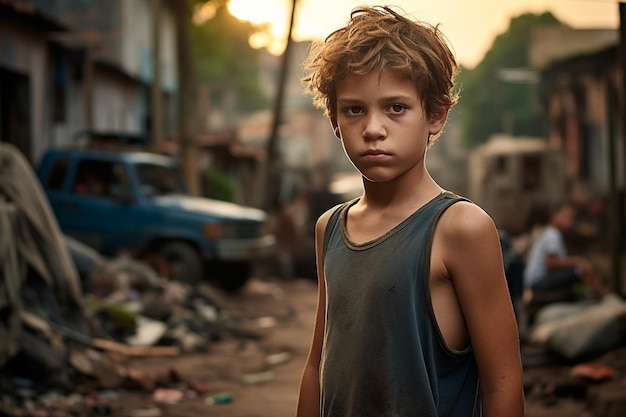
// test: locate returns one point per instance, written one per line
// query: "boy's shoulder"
(465, 218)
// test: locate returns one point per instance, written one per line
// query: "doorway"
(15, 110)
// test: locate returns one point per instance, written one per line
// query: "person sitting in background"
(548, 265)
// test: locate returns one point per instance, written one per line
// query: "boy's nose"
(374, 129)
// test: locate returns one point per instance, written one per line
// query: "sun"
(258, 11)
(270, 13)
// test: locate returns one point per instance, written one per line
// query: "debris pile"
(575, 355)
(70, 318)
(594, 387)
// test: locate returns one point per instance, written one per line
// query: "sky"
(469, 25)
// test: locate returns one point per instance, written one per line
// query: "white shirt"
(549, 241)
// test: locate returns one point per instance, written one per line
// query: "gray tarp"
(31, 243)
(574, 330)
(10, 301)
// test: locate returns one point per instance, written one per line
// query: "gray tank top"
(383, 353)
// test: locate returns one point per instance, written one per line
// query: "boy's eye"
(397, 108)
(352, 110)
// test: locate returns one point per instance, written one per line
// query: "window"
(90, 178)
(101, 178)
(58, 173)
(159, 180)
(531, 172)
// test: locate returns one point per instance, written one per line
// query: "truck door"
(99, 209)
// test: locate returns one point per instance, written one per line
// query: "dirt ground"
(262, 374)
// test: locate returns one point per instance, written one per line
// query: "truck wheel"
(183, 261)
(232, 276)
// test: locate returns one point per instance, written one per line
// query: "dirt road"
(262, 375)
(262, 371)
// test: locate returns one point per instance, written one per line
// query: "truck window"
(100, 178)
(159, 180)
(58, 173)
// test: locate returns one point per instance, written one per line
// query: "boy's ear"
(438, 119)
(335, 126)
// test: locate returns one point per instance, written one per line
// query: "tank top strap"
(333, 222)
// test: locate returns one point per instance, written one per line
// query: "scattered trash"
(167, 396)
(221, 398)
(147, 332)
(266, 322)
(258, 377)
(278, 358)
(593, 371)
(127, 350)
(198, 388)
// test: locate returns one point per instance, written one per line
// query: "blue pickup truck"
(135, 201)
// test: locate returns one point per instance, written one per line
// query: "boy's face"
(384, 128)
(564, 218)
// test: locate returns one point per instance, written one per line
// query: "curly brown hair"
(378, 37)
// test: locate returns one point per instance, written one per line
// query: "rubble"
(574, 357)
(72, 323)
(70, 318)
(595, 387)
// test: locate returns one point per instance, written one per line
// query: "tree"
(490, 104)
(222, 56)
(185, 102)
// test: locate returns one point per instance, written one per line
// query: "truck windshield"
(155, 180)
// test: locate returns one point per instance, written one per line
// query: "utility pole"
(616, 108)
(187, 154)
(156, 113)
(272, 171)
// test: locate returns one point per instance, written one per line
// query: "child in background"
(548, 265)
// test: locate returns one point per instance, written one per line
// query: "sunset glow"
(272, 13)
(470, 26)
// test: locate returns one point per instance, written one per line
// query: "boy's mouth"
(375, 154)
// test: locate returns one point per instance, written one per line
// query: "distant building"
(75, 65)
(584, 97)
(551, 43)
(575, 72)
(509, 175)
(26, 81)
(309, 152)
(577, 95)
(447, 159)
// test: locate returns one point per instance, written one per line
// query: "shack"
(508, 175)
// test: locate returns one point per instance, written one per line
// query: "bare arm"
(474, 263)
(554, 262)
(586, 269)
(309, 398)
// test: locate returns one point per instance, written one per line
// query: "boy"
(549, 266)
(409, 316)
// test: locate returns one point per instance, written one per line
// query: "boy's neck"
(387, 195)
